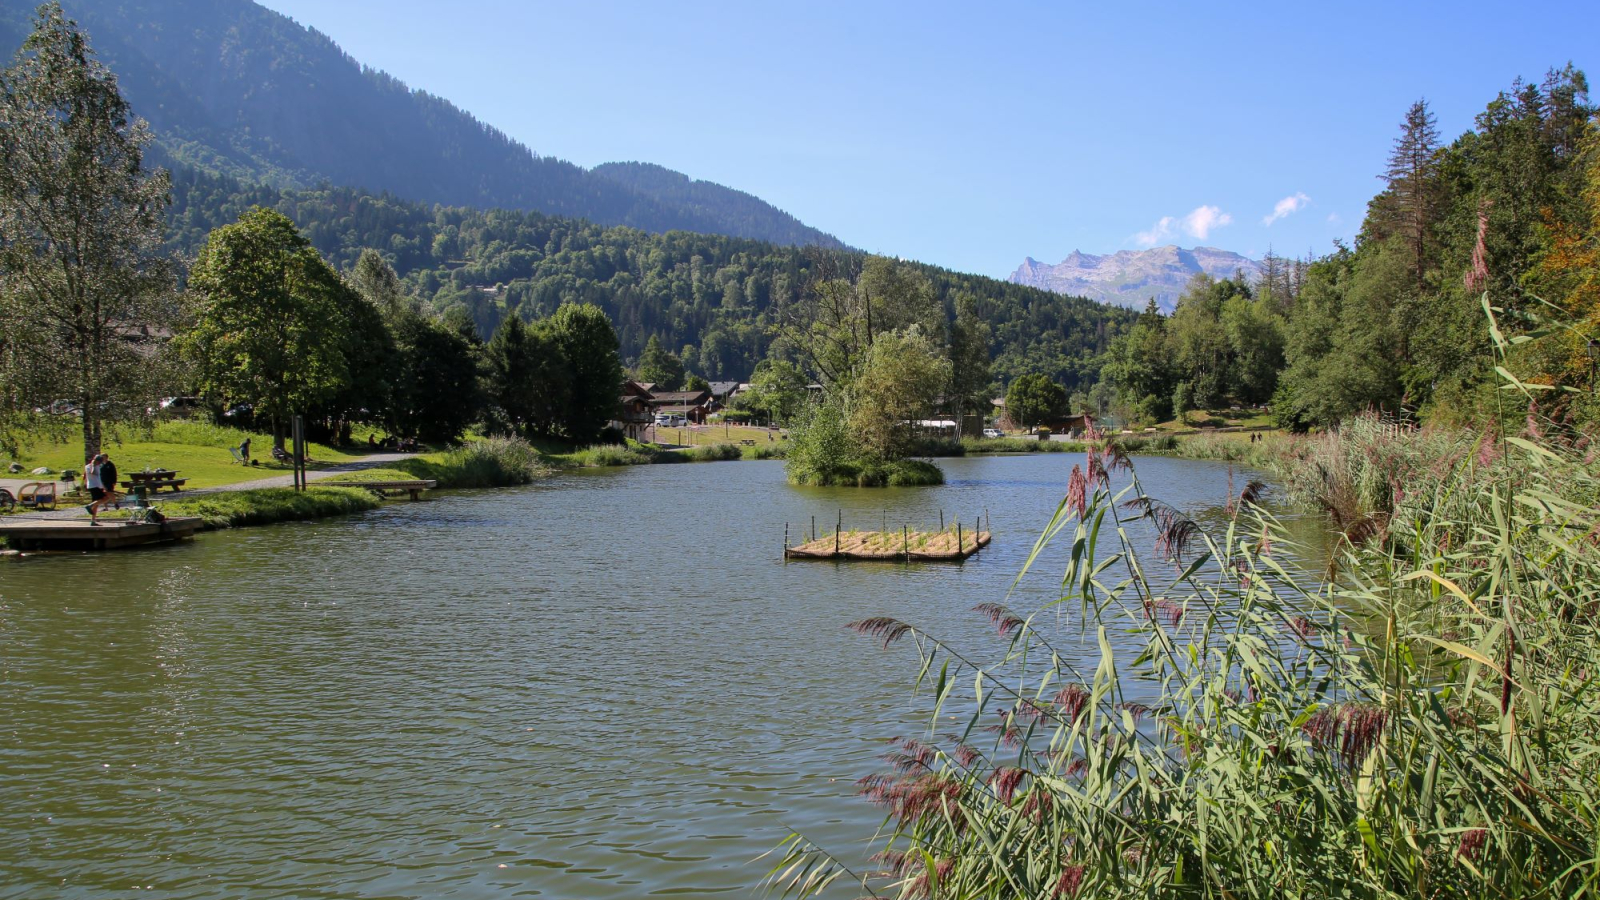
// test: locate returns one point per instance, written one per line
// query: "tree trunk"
(277, 433)
(91, 433)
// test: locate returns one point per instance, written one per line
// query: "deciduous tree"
(270, 319)
(86, 294)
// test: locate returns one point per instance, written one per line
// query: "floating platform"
(78, 534)
(950, 545)
(385, 488)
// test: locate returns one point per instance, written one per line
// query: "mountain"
(232, 88)
(1132, 277)
(716, 300)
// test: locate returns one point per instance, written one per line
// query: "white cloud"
(1287, 205)
(1198, 224)
(1156, 233)
(1333, 219)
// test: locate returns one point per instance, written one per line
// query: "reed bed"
(1425, 723)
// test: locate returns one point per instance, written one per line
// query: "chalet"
(724, 391)
(692, 405)
(634, 412)
(1066, 427)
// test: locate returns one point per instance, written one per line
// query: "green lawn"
(196, 451)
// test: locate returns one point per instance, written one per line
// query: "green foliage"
(969, 342)
(660, 367)
(899, 379)
(266, 506)
(528, 378)
(1032, 399)
(270, 319)
(81, 262)
(491, 462)
(436, 393)
(777, 391)
(669, 286)
(583, 336)
(1395, 323)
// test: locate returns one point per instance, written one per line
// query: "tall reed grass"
(1426, 724)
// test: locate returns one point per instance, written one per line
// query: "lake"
(608, 684)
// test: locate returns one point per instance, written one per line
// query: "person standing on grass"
(97, 490)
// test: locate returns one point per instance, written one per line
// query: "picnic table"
(155, 481)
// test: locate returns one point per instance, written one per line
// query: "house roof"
(723, 388)
(676, 410)
(693, 398)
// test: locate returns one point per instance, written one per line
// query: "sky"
(973, 135)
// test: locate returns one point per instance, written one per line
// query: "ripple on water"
(605, 685)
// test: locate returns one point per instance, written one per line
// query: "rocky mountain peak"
(1133, 277)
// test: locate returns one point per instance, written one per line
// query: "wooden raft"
(950, 545)
(384, 488)
(78, 534)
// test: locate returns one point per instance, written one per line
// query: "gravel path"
(374, 461)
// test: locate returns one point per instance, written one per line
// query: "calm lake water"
(605, 685)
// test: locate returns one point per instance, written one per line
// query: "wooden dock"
(385, 488)
(951, 545)
(78, 534)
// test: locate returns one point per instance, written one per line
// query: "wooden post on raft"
(813, 528)
(838, 526)
(960, 544)
(905, 542)
(786, 539)
(941, 520)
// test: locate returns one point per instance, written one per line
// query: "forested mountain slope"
(716, 299)
(233, 88)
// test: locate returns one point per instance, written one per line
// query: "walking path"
(374, 461)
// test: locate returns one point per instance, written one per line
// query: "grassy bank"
(266, 506)
(196, 450)
(633, 453)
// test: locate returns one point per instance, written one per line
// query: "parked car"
(993, 433)
(670, 421)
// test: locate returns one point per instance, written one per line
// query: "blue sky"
(972, 135)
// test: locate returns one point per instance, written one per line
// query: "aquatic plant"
(1424, 725)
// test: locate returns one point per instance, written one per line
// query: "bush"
(491, 462)
(712, 453)
(611, 455)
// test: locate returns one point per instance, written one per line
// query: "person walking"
(97, 490)
(108, 481)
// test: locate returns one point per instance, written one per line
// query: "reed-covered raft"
(952, 544)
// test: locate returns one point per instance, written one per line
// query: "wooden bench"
(747, 443)
(154, 481)
(383, 488)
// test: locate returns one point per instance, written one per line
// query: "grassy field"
(196, 451)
